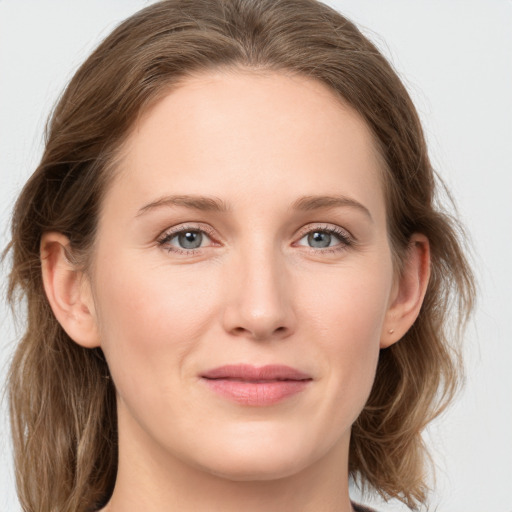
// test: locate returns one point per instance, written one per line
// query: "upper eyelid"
(164, 239)
(187, 227)
(331, 228)
(214, 237)
(308, 228)
(199, 226)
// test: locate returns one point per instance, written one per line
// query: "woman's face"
(242, 276)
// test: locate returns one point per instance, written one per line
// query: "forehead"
(230, 132)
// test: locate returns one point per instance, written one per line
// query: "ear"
(408, 291)
(68, 291)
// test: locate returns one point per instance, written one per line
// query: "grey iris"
(319, 239)
(190, 239)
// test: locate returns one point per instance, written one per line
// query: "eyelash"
(345, 239)
(164, 240)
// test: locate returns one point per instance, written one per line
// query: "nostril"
(260, 334)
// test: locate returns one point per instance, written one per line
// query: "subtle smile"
(256, 386)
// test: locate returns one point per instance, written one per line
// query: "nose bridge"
(260, 299)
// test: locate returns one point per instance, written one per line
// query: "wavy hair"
(62, 408)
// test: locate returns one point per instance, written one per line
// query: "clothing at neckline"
(361, 508)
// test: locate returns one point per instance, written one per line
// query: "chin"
(247, 469)
(272, 459)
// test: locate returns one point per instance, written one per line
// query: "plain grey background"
(455, 57)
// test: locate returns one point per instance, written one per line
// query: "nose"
(259, 296)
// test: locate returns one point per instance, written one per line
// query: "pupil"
(319, 239)
(190, 239)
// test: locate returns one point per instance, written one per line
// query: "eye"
(326, 237)
(185, 240)
(320, 239)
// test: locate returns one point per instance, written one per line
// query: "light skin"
(287, 261)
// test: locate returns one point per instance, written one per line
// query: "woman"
(237, 280)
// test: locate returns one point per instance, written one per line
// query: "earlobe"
(409, 291)
(68, 291)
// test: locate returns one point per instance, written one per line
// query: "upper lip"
(250, 373)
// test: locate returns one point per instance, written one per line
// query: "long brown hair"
(62, 402)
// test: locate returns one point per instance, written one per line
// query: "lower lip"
(256, 393)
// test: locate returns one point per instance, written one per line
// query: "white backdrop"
(455, 57)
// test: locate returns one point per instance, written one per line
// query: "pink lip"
(249, 385)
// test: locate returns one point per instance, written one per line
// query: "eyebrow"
(308, 203)
(203, 203)
(214, 204)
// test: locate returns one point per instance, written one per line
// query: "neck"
(152, 480)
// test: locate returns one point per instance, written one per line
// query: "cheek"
(346, 320)
(348, 305)
(150, 320)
